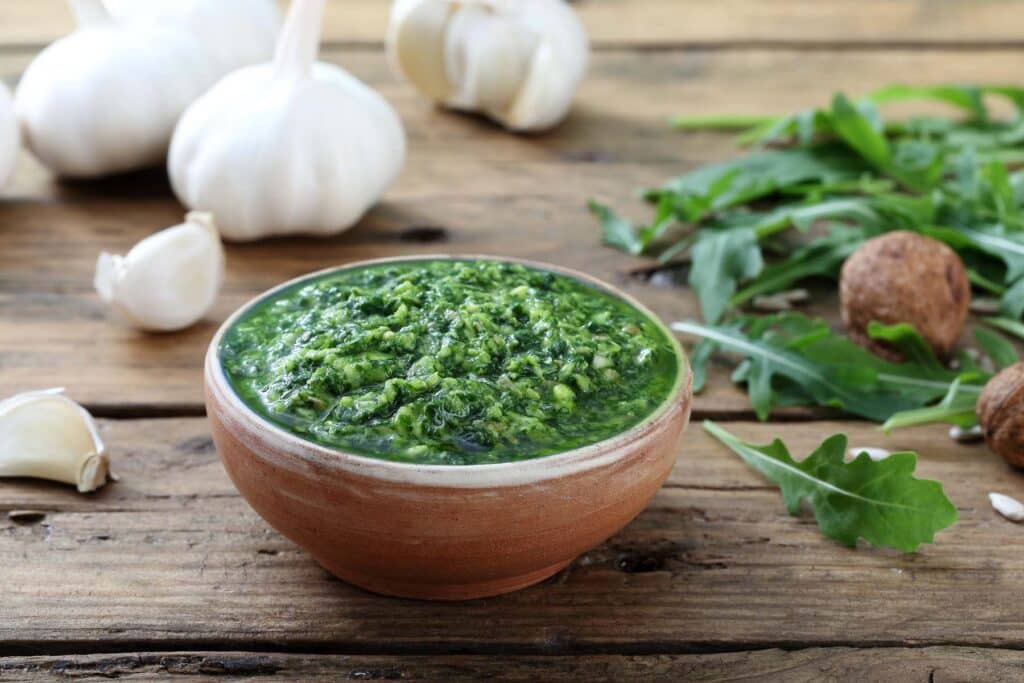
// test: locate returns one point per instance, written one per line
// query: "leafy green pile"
(845, 168)
(878, 501)
(817, 185)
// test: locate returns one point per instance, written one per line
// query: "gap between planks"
(13, 648)
(31, 48)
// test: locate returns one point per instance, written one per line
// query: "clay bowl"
(443, 532)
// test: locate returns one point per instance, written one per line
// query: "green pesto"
(449, 362)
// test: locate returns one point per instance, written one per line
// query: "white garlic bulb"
(9, 138)
(105, 98)
(292, 146)
(517, 61)
(45, 434)
(169, 280)
(234, 33)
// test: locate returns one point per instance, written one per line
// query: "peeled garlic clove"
(1010, 508)
(517, 61)
(169, 280)
(46, 435)
(9, 136)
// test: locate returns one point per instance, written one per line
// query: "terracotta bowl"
(443, 532)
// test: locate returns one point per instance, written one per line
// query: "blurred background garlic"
(9, 141)
(291, 146)
(517, 61)
(105, 98)
(169, 280)
(46, 435)
(234, 33)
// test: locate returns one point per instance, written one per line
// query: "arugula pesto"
(449, 362)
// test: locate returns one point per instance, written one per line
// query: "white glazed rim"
(282, 445)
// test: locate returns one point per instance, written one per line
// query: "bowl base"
(445, 591)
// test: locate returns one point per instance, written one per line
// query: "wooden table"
(168, 573)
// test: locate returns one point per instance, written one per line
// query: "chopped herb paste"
(449, 362)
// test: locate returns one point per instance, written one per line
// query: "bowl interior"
(681, 384)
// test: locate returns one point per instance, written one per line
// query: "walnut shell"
(904, 277)
(1001, 414)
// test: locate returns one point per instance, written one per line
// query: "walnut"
(904, 277)
(1001, 414)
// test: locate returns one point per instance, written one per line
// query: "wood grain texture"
(811, 665)
(171, 558)
(618, 23)
(467, 188)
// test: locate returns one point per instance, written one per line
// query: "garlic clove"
(419, 40)
(489, 58)
(169, 280)
(46, 435)
(1008, 507)
(9, 136)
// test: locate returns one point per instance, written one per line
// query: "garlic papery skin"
(46, 435)
(9, 137)
(169, 280)
(517, 61)
(292, 146)
(105, 99)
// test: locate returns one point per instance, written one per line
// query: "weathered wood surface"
(171, 558)
(813, 665)
(169, 575)
(654, 23)
(474, 188)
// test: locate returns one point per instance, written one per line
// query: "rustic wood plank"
(473, 187)
(812, 665)
(616, 23)
(170, 557)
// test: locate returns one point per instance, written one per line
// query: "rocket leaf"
(721, 259)
(879, 501)
(719, 186)
(789, 359)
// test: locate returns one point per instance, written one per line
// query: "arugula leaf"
(1013, 300)
(860, 132)
(615, 230)
(720, 260)
(1014, 327)
(996, 347)
(719, 186)
(789, 359)
(823, 257)
(957, 407)
(880, 502)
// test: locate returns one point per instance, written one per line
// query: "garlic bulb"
(45, 434)
(517, 61)
(9, 141)
(234, 33)
(105, 98)
(291, 146)
(169, 280)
